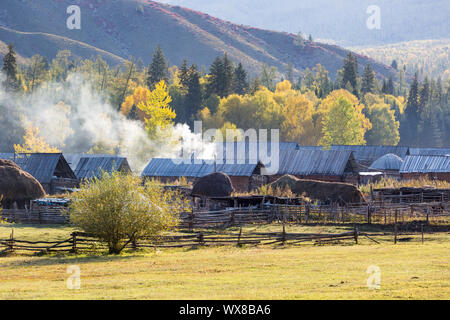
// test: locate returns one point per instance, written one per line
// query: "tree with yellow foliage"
(139, 95)
(298, 112)
(342, 124)
(34, 143)
(158, 113)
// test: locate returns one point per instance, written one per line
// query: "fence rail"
(83, 242)
(381, 213)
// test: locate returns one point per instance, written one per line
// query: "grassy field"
(409, 270)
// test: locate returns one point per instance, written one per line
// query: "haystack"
(325, 192)
(17, 185)
(216, 184)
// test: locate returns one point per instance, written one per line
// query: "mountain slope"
(343, 21)
(126, 28)
(431, 57)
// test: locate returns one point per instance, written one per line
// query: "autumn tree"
(158, 113)
(342, 125)
(385, 127)
(34, 143)
(36, 71)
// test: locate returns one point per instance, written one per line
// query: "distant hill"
(343, 21)
(123, 28)
(431, 57)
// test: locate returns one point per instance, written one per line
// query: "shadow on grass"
(71, 258)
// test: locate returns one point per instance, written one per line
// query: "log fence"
(81, 242)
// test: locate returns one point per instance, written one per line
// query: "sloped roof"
(429, 151)
(387, 162)
(371, 153)
(91, 167)
(425, 164)
(316, 162)
(44, 166)
(159, 167)
(73, 158)
(8, 156)
(249, 152)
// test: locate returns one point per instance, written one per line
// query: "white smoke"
(74, 118)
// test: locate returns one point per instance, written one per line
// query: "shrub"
(119, 209)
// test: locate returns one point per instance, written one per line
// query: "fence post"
(239, 238)
(428, 214)
(421, 227)
(356, 235)
(395, 226)
(11, 241)
(191, 221)
(74, 242)
(369, 215)
(201, 239)
(283, 235)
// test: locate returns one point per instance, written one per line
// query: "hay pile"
(216, 184)
(17, 185)
(325, 192)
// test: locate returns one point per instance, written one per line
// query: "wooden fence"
(372, 213)
(80, 241)
(38, 215)
(381, 213)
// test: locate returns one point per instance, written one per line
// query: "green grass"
(409, 270)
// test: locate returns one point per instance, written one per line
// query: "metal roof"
(249, 152)
(181, 168)
(8, 156)
(73, 158)
(425, 164)
(316, 162)
(45, 166)
(371, 153)
(387, 162)
(91, 167)
(429, 151)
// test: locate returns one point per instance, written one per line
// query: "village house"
(50, 169)
(317, 164)
(93, 167)
(366, 155)
(433, 167)
(244, 177)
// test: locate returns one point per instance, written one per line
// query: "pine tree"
(394, 64)
(215, 82)
(240, 83)
(409, 125)
(183, 74)
(368, 80)
(290, 73)
(10, 69)
(193, 101)
(157, 70)
(390, 86)
(228, 75)
(221, 74)
(350, 73)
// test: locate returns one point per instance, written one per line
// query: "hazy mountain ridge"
(343, 21)
(125, 28)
